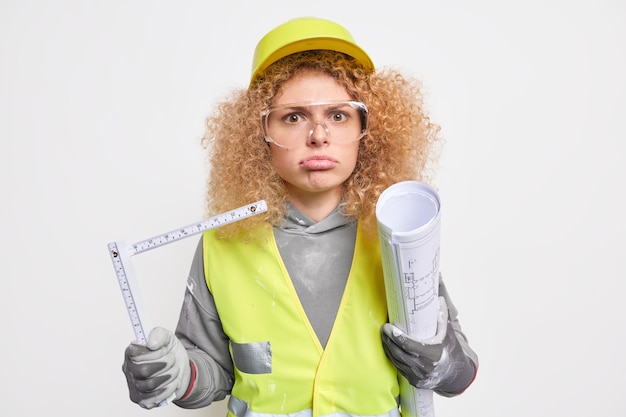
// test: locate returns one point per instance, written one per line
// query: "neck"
(316, 206)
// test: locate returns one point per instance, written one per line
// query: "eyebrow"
(303, 106)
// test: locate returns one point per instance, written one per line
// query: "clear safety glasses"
(292, 125)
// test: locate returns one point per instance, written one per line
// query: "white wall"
(101, 110)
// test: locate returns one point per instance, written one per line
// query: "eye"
(338, 116)
(293, 118)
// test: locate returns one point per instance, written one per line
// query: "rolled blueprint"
(408, 218)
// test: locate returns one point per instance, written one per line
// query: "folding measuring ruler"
(121, 253)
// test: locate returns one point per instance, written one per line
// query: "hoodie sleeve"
(200, 331)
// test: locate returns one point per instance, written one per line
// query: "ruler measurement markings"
(195, 228)
(120, 255)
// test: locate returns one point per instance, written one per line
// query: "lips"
(319, 162)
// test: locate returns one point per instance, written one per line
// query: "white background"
(102, 107)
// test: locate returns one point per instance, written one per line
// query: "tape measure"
(121, 253)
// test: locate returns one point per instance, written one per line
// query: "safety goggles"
(291, 125)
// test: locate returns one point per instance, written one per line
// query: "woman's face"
(315, 166)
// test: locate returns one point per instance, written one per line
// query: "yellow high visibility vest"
(280, 365)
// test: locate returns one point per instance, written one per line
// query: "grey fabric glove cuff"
(202, 393)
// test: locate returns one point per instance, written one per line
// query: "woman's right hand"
(157, 371)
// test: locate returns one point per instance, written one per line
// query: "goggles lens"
(291, 125)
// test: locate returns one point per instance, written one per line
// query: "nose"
(318, 134)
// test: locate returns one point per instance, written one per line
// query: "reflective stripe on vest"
(280, 365)
(239, 408)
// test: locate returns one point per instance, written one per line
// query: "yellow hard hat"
(305, 34)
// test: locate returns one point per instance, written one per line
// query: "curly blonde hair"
(401, 141)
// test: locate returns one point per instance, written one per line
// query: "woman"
(285, 311)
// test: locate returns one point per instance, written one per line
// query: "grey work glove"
(158, 370)
(438, 363)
